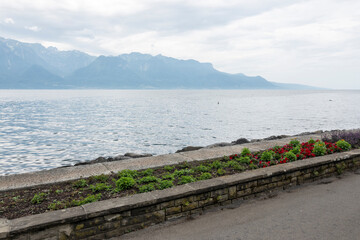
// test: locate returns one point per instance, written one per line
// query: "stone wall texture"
(115, 217)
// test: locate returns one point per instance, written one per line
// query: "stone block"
(167, 204)
(173, 210)
(189, 206)
(177, 216)
(243, 193)
(143, 210)
(206, 202)
(232, 192)
(219, 192)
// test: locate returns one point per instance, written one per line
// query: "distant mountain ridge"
(32, 66)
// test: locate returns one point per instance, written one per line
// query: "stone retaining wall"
(115, 217)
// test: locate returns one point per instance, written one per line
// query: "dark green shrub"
(38, 198)
(100, 187)
(147, 188)
(148, 179)
(205, 176)
(80, 183)
(128, 173)
(186, 179)
(343, 145)
(125, 183)
(245, 152)
(165, 184)
(291, 156)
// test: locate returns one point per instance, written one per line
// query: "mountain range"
(33, 66)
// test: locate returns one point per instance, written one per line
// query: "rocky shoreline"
(193, 148)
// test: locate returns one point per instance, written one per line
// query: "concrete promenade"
(76, 172)
(328, 209)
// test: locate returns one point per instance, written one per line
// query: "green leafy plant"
(344, 145)
(253, 166)
(168, 176)
(39, 198)
(165, 184)
(102, 178)
(147, 188)
(169, 168)
(100, 187)
(148, 179)
(205, 176)
(201, 168)
(147, 172)
(58, 191)
(186, 179)
(319, 148)
(182, 172)
(296, 150)
(245, 160)
(294, 143)
(291, 156)
(88, 199)
(125, 183)
(245, 152)
(55, 205)
(128, 173)
(220, 172)
(311, 141)
(80, 183)
(216, 164)
(184, 164)
(267, 156)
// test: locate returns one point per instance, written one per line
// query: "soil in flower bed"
(19, 203)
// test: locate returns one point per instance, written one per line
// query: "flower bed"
(18, 203)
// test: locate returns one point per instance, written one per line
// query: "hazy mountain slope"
(144, 71)
(31, 65)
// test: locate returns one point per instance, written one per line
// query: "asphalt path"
(328, 209)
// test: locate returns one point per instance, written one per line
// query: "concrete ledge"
(33, 179)
(115, 217)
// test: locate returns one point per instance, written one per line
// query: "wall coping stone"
(33, 179)
(116, 205)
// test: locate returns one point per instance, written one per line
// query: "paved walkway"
(325, 210)
(83, 171)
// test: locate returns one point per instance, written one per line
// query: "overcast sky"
(314, 42)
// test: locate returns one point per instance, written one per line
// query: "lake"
(42, 129)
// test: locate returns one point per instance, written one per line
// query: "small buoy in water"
(218, 102)
(330, 100)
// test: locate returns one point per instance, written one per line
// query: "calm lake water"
(41, 129)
